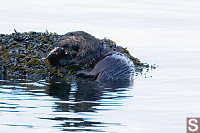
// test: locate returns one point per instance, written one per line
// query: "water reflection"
(62, 105)
(85, 96)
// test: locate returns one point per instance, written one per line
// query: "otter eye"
(73, 54)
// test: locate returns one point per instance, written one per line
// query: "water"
(63, 105)
(162, 32)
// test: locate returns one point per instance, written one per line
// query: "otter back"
(114, 67)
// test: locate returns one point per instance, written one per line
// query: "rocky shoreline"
(21, 56)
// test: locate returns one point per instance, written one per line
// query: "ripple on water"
(65, 106)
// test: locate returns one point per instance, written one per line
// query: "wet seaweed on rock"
(21, 55)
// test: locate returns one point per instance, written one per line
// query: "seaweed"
(21, 55)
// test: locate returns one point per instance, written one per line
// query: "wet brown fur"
(89, 47)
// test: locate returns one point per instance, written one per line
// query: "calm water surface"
(164, 32)
(59, 105)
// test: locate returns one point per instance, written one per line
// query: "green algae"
(21, 55)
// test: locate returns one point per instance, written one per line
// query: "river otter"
(80, 48)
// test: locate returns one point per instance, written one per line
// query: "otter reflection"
(83, 96)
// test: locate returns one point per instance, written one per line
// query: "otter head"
(75, 48)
